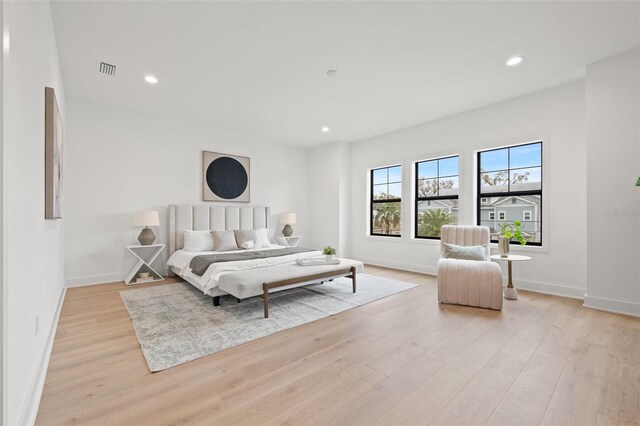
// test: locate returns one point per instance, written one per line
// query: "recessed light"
(325, 129)
(512, 62)
(151, 79)
(332, 73)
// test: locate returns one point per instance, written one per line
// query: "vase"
(503, 244)
(329, 257)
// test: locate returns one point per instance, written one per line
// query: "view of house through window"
(436, 196)
(386, 199)
(510, 189)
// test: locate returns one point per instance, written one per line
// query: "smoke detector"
(107, 69)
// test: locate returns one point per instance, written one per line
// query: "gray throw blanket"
(200, 264)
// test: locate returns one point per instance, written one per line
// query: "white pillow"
(247, 245)
(262, 238)
(224, 241)
(198, 241)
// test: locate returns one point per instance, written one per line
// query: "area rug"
(176, 323)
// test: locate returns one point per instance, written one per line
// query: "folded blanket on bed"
(200, 264)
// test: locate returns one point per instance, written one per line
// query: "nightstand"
(291, 241)
(145, 256)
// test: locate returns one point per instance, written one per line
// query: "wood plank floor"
(402, 360)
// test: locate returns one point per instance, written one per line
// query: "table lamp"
(146, 218)
(287, 219)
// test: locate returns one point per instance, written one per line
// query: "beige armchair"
(469, 282)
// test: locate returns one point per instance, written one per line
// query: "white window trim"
(492, 215)
(502, 215)
(524, 215)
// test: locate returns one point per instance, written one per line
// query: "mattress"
(179, 263)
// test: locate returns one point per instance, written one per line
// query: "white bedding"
(181, 259)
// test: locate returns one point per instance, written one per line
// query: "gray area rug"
(176, 323)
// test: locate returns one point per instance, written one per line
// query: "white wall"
(330, 184)
(556, 116)
(119, 162)
(613, 165)
(33, 246)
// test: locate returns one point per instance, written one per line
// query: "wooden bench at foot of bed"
(262, 281)
(349, 273)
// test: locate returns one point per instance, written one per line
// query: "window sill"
(425, 241)
(521, 249)
(383, 238)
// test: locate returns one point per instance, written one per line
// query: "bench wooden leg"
(216, 300)
(353, 277)
(265, 300)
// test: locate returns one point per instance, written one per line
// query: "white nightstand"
(145, 255)
(291, 241)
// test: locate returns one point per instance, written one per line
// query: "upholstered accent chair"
(468, 282)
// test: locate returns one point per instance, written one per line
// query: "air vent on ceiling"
(107, 69)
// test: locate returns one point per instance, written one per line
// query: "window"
(386, 197)
(510, 180)
(492, 215)
(436, 196)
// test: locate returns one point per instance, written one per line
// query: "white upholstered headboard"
(204, 217)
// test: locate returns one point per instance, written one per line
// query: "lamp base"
(146, 237)
(287, 231)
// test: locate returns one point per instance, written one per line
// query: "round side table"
(510, 292)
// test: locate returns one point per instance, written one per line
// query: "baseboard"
(385, 263)
(101, 279)
(30, 411)
(611, 305)
(538, 287)
(553, 289)
(92, 280)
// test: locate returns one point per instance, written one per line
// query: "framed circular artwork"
(225, 177)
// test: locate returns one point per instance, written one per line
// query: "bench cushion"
(245, 284)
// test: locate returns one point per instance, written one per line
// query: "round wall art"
(225, 177)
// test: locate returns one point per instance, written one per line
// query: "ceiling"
(259, 68)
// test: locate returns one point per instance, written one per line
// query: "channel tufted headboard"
(204, 217)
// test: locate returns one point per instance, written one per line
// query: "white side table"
(145, 255)
(291, 241)
(510, 292)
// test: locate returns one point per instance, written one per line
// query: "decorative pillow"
(224, 241)
(198, 241)
(244, 235)
(452, 251)
(262, 238)
(247, 245)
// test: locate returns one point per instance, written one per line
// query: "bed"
(204, 217)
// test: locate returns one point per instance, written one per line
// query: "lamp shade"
(146, 218)
(288, 218)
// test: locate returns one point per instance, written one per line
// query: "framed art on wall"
(53, 140)
(225, 177)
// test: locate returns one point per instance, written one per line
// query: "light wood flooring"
(402, 360)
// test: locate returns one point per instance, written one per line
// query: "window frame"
(492, 215)
(418, 199)
(502, 215)
(539, 192)
(524, 215)
(373, 201)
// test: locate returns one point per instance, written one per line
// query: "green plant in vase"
(329, 252)
(508, 233)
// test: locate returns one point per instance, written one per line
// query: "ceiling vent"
(107, 69)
